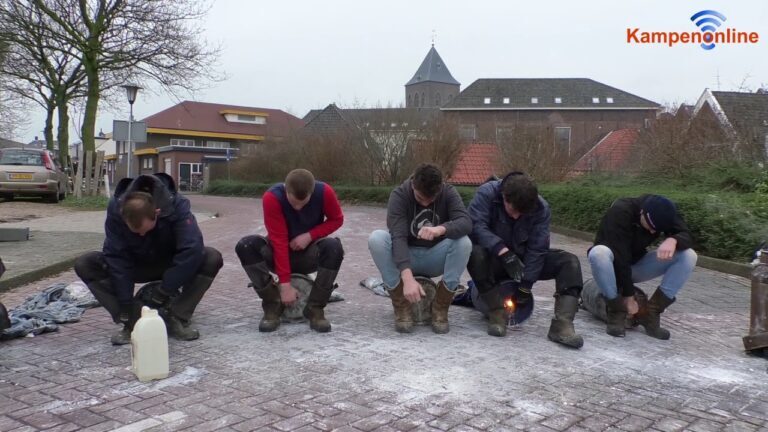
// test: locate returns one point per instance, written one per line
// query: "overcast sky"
(300, 55)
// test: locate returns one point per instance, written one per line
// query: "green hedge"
(725, 225)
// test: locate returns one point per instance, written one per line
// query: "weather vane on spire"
(434, 35)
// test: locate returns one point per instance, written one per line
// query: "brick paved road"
(364, 376)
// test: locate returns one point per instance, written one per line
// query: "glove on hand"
(513, 266)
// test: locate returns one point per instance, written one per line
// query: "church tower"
(432, 86)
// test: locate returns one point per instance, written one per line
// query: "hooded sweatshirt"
(176, 239)
(405, 217)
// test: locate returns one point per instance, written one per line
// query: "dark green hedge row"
(724, 225)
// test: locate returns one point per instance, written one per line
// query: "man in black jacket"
(151, 234)
(620, 258)
(427, 235)
(511, 242)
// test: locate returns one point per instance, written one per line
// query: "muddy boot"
(5, 321)
(650, 317)
(402, 307)
(314, 311)
(497, 316)
(180, 330)
(440, 305)
(121, 337)
(267, 290)
(616, 314)
(561, 330)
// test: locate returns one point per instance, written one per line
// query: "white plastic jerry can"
(149, 346)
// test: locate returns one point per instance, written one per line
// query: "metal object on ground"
(422, 310)
(516, 314)
(14, 234)
(757, 339)
(303, 285)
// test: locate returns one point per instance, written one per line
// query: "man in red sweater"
(299, 216)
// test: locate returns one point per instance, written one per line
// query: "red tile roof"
(476, 163)
(610, 154)
(207, 117)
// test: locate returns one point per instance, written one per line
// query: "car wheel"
(62, 194)
(54, 197)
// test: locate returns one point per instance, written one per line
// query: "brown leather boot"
(650, 317)
(272, 306)
(440, 305)
(561, 330)
(314, 311)
(497, 315)
(402, 307)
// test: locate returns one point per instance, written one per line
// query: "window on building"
(487, 101)
(647, 123)
(423, 100)
(437, 99)
(609, 100)
(182, 142)
(506, 101)
(534, 100)
(595, 100)
(246, 118)
(217, 144)
(467, 131)
(410, 99)
(504, 133)
(558, 100)
(196, 168)
(563, 139)
(416, 100)
(147, 163)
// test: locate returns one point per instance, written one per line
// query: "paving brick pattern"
(363, 376)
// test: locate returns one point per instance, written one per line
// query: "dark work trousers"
(322, 254)
(94, 271)
(487, 271)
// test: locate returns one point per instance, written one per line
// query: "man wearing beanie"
(619, 258)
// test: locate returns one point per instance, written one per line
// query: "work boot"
(440, 305)
(121, 337)
(179, 330)
(5, 321)
(650, 317)
(268, 291)
(616, 313)
(314, 311)
(272, 306)
(497, 316)
(561, 330)
(402, 307)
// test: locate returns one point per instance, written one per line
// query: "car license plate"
(20, 176)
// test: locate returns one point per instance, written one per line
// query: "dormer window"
(534, 100)
(506, 101)
(558, 100)
(487, 101)
(595, 100)
(242, 116)
(609, 100)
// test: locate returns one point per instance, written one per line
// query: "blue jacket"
(176, 240)
(493, 229)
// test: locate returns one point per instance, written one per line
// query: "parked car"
(31, 172)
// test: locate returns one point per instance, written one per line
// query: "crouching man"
(511, 241)
(299, 215)
(151, 235)
(428, 227)
(620, 258)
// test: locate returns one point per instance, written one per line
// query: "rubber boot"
(440, 305)
(616, 314)
(497, 315)
(5, 321)
(180, 330)
(121, 337)
(561, 330)
(267, 289)
(402, 307)
(650, 317)
(314, 311)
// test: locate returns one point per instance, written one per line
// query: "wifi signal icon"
(708, 21)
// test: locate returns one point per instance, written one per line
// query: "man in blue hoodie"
(151, 235)
(510, 237)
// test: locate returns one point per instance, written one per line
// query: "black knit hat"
(659, 212)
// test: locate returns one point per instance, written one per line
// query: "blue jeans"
(676, 271)
(447, 258)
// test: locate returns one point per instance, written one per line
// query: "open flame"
(509, 305)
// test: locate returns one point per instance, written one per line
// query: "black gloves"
(513, 266)
(158, 299)
(126, 309)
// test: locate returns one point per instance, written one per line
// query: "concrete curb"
(716, 264)
(41, 273)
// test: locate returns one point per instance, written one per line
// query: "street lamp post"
(131, 91)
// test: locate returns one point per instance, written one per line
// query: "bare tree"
(144, 41)
(533, 149)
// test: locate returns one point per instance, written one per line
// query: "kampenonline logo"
(708, 36)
